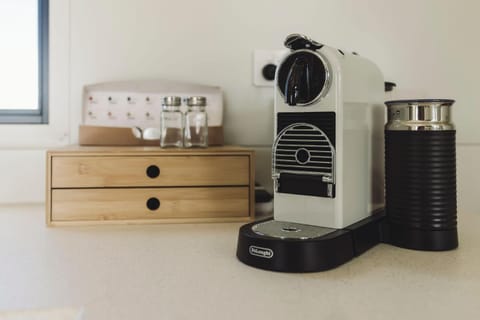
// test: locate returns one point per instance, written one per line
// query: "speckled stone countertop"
(191, 272)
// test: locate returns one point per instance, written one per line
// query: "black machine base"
(308, 255)
(337, 247)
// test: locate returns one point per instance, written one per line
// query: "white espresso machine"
(327, 162)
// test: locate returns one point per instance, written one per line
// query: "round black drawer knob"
(153, 204)
(153, 171)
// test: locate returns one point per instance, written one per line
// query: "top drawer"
(135, 171)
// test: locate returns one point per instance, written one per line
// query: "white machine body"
(322, 176)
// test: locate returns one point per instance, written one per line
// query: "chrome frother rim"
(419, 115)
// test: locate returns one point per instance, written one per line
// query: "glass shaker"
(196, 125)
(171, 123)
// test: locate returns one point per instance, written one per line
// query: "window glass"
(19, 36)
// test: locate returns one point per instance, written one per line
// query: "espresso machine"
(327, 162)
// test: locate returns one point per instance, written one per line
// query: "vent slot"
(323, 120)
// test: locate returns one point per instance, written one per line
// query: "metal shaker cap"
(197, 101)
(419, 115)
(172, 101)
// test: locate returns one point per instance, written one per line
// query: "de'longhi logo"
(260, 252)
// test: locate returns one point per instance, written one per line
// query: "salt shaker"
(196, 124)
(171, 123)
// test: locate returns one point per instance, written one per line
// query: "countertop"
(189, 271)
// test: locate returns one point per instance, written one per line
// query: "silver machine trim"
(419, 115)
(289, 230)
(328, 76)
(285, 160)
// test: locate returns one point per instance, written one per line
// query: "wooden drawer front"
(131, 204)
(114, 171)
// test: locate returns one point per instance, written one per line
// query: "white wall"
(425, 46)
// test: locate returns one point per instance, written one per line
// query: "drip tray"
(289, 230)
(292, 247)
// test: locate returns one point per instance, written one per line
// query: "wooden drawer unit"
(91, 185)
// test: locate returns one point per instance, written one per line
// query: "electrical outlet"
(266, 59)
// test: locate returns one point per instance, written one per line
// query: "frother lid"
(419, 115)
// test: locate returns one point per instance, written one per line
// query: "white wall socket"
(261, 58)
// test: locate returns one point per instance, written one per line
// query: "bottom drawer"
(149, 203)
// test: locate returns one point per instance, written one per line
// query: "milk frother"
(420, 174)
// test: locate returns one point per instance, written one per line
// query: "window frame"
(40, 116)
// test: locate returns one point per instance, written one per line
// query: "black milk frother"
(420, 174)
